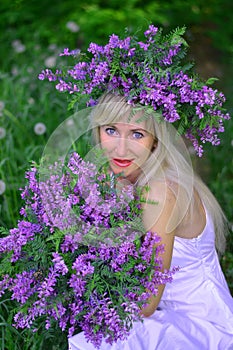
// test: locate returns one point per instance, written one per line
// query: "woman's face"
(127, 146)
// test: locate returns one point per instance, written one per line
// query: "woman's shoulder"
(186, 216)
(194, 221)
(160, 188)
(160, 202)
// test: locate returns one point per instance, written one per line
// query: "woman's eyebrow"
(113, 125)
(140, 129)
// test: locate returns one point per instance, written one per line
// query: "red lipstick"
(123, 163)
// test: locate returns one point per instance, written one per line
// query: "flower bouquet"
(80, 256)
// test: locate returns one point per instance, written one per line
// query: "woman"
(195, 311)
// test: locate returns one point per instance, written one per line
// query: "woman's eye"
(110, 131)
(137, 135)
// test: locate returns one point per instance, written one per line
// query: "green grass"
(14, 339)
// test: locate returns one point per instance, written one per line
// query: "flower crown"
(151, 74)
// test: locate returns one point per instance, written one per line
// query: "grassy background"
(33, 33)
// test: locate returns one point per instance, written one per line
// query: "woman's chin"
(131, 176)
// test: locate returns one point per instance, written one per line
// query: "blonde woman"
(195, 311)
(150, 97)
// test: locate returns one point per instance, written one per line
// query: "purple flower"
(23, 286)
(79, 72)
(113, 41)
(18, 238)
(82, 266)
(95, 49)
(5, 284)
(59, 264)
(48, 74)
(66, 52)
(47, 288)
(101, 73)
(143, 45)
(77, 284)
(71, 242)
(151, 31)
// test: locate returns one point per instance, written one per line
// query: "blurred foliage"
(42, 23)
(33, 33)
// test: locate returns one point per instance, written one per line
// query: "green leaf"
(211, 81)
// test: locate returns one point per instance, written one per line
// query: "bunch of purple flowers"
(80, 256)
(149, 73)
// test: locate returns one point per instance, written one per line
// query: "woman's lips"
(123, 163)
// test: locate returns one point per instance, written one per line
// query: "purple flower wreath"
(148, 73)
(80, 257)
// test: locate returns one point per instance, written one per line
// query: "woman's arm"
(158, 218)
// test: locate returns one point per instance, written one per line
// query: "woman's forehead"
(109, 114)
(130, 124)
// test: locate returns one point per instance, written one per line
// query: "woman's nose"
(121, 146)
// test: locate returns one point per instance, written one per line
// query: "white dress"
(196, 310)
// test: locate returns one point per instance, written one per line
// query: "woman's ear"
(154, 145)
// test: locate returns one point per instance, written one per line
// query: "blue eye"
(110, 131)
(138, 135)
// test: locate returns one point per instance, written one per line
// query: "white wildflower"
(70, 122)
(2, 133)
(2, 187)
(52, 47)
(31, 100)
(50, 62)
(29, 70)
(18, 46)
(39, 128)
(72, 26)
(15, 71)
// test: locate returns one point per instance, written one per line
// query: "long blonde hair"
(168, 161)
